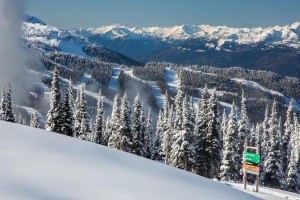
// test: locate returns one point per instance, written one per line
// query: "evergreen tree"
(265, 138)
(293, 177)
(182, 149)
(99, 124)
(82, 120)
(125, 129)
(212, 138)
(114, 123)
(9, 116)
(34, 122)
(273, 175)
(148, 146)
(3, 105)
(288, 128)
(54, 115)
(167, 138)
(230, 170)
(67, 124)
(223, 128)
(144, 138)
(157, 141)
(244, 127)
(138, 134)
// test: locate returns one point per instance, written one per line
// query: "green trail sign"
(251, 157)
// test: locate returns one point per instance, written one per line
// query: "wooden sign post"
(251, 164)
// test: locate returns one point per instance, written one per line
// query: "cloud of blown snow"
(13, 57)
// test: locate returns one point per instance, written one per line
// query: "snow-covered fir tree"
(67, 122)
(125, 128)
(138, 134)
(34, 121)
(212, 138)
(144, 137)
(157, 140)
(182, 148)
(288, 128)
(148, 136)
(100, 122)
(9, 115)
(244, 126)
(3, 104)
(223, 128)
(230, 170)
(82, 118)
(53, 122)
(113, 125)
(273, 174)
(167, 137)
(293, 173)
(264, 137)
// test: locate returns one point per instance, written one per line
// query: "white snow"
(171, 79)
(156, 91)
(288, 35)
(267, 193)
(114, 82)
(36, 164)
(252, 84)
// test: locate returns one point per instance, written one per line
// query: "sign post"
(251, 164)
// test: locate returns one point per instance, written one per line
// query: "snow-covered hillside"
(43, 38)
(36, 164)
(289, 34)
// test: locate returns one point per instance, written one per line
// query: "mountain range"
(275, 48)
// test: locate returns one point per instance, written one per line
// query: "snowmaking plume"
(13, 57)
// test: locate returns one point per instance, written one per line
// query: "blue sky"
(94, 13)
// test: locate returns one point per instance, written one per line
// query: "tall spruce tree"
(9, 115)
(223, 128)
(149, 136)
(138, 134)
(167, 137)
(288, 128)
(67, 122)
(114, 123)
(53, 122)
(230, 170)
(157, 141)
(182, 148)
(293, 173)
(273, 174)
(100, 122)
(125, 129)
(212, 138)
(244, 126)
(82, 120)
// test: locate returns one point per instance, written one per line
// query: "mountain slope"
(274, 48)
(43, 39)
(43, 165)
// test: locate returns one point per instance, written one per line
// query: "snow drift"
(36, 164)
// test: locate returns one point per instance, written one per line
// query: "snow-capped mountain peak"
(277, 34)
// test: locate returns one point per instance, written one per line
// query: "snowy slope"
(289, 34)
(156, 91)
(36, 164)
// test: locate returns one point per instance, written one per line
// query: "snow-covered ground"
(252, 84)
(267, 193)
(114, 82)
(156, 91)
(171, 79)
(36, 164)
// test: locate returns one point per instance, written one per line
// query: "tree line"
(188, 135)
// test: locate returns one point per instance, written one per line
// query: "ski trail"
(114, 82)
